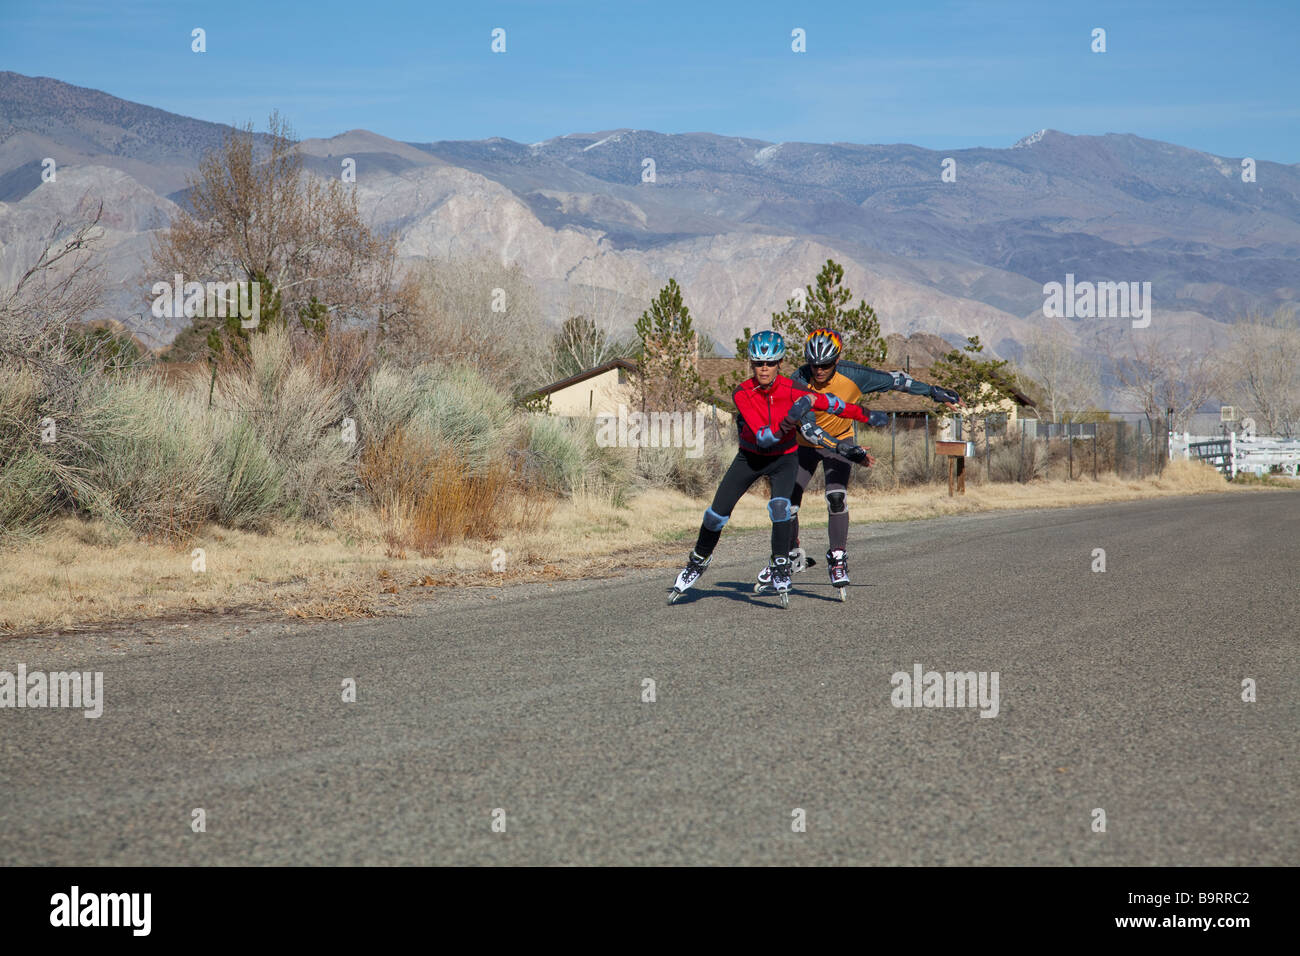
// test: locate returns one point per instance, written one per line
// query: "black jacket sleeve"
(873, 380)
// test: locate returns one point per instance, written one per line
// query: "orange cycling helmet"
(823, 346)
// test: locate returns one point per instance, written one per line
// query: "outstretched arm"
(873, 380)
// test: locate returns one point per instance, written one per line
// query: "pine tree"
(824, 305)
(227, 336)
(979, 381)
(668, 351)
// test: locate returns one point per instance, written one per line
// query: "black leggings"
(837, 479)
(745, 469)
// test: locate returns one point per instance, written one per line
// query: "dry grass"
(428, 497)
(81, 573)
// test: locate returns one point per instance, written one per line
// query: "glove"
(877, 419)
(765, 438)
(946, 395)
(854, 453)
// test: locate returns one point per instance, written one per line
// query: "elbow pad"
(902, 381)
(812, 432)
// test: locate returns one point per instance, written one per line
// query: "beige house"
(595, 391)
(602, 390)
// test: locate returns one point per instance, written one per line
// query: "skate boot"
(799, 561)
(781, 578)
(837, 566)
(695, 566)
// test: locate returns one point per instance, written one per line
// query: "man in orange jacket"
(825, 373)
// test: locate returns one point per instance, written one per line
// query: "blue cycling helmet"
(766, 346)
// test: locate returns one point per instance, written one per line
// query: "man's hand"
(854, 453)
(765, 438)
(946, 396)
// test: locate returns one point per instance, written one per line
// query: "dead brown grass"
(428, 497)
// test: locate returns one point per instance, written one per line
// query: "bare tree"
(1262, 372)
(479, 312)
(1159, 373)
(44, 313)
(599, 328)
(1068, 381)
(60, 288)
(257, 217)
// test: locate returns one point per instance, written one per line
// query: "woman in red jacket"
(770, 408)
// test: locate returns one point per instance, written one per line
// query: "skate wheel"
(844, 594)
(672, 597)
(798, 560)
(760, 587)
(785, 599)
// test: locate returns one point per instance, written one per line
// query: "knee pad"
(836, 503)
(714, 521)
(779, 509)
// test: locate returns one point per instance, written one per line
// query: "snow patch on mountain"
(612, 138)
(1030, 140)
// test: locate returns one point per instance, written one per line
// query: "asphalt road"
(1118, 691)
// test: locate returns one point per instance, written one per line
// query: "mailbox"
(957, 452)
(959, 449)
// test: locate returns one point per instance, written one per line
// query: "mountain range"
(740, 223)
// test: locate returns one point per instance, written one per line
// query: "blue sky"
(1221, 77)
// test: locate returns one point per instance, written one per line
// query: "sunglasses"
(824, 366)
(757, 363)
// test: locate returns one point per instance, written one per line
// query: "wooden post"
(987, 474)
(1021, 471)
(1094, 452)
(957, 452)
(927, 447)
(892, 469)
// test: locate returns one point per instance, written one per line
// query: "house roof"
(625, 364)
(712, 369)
